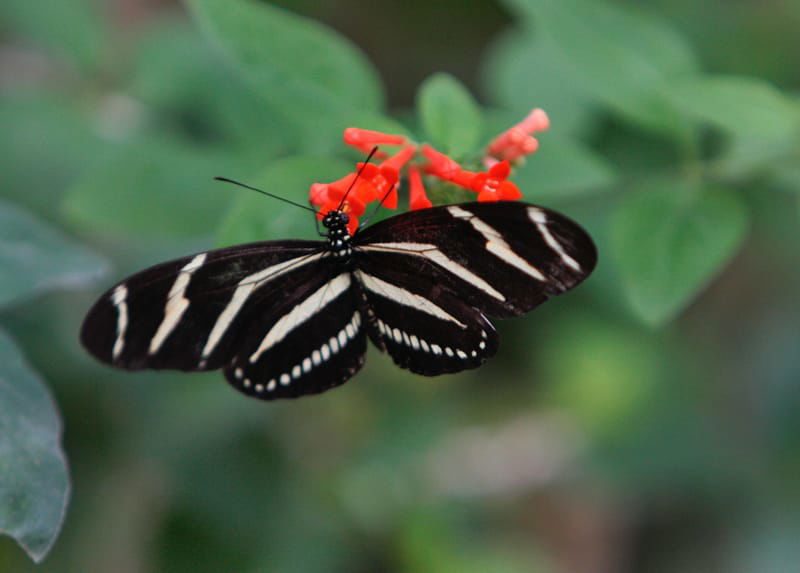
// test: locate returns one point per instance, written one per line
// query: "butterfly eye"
(345, 218)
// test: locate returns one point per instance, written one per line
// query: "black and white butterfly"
(289, 318)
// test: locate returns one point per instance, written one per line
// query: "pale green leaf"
(670, 241)
(523, 72)
(47, 142)
(35, 257)
(752, 154)
(449, 114)
(180, 74)
(69, 29)
(159, 187)
(620, 56)
(304, 70)
(34, 480)
(740, 105)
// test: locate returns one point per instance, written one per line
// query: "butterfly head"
(338, 234)
(335, 220)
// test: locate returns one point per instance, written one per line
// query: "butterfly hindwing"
(424, 329)
(191, 313)
(504, 258)
(307, 347)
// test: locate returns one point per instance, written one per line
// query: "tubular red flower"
(329, 197)
(365, 139)
(439, 164)
(446, 168)
(318, 194)
(378, 181)
(418, 199)
(333, 193)
(399, 159)
(360, 183)
(353, 191)
(390, 174)
(385, 181)
(493, 186)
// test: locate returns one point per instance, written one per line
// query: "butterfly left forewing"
(189, 313)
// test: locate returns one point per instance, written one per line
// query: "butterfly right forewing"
(432, 277)
(503, 258)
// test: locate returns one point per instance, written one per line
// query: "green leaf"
(47, 142)
(522, 72)
(563, 168)
(159, 187)
(449, 114)
(746, 155)
(306, 71)
(180, 74)
(34, 481)
(670, 241)
(620, 56)
(253, 217)
(35, 257)
(70, 29)
(740, 105)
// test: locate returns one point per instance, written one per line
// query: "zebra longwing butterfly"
(288, 318)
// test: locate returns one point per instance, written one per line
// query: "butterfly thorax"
(338, 235)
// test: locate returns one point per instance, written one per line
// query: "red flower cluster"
(378, 182)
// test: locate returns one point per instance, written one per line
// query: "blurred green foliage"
(646, 422)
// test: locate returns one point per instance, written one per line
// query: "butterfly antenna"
(358, 174)
(278, 197)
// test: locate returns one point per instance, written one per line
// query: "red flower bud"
(515, 142)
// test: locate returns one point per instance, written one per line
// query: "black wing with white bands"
(307, 347)
(192, 313)
(425, 329)
(503, 258)
(432, 277)
(288, 318)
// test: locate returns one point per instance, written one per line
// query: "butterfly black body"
(289, 318)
